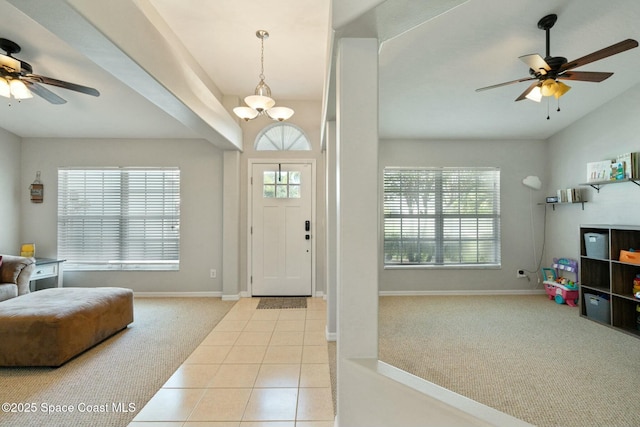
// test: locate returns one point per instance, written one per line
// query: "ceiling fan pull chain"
(548, 108)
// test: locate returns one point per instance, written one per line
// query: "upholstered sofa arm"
(17, 270)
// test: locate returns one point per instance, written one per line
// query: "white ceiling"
(429, 75)
(171, 69)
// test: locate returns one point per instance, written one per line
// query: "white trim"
(314, 248)
(467, 406)
(464, 293)
(178, 294)
(235, 297)
(330, 336)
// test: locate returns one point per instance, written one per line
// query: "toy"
(636, 285)
(558, 288)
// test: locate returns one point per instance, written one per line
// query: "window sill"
(444, 267)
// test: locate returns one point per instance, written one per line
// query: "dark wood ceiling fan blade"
(535, 62)
(524, 79)
(44, 93)
(524, 94)
(585, 76)
(65, 85)
(600, 54)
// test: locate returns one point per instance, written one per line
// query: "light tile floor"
(257, 368)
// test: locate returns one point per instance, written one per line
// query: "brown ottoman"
(49, 327)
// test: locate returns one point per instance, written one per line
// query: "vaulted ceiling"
(174, 69)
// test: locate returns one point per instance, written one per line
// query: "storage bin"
(630, 257)
(597, 245)
(598, 308)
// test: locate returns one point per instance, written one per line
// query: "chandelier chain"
(261, 58)
(261, 103)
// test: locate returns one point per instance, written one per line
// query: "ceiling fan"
(549, 70)
(17, 78)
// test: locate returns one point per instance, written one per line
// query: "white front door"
(281, 229)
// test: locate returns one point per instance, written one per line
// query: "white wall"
(611, 130)
(516, 160)
(11, 192)
(201, 166)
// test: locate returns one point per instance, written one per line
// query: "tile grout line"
(308, 329)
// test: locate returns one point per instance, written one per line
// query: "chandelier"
(260, 102)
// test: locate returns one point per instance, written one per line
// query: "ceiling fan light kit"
(261, 103)
(18, 81)
(19, 89)
(550, 70)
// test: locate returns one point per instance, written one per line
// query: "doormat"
(282, 302)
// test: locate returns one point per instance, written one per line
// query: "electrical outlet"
(213, 273)
(520, 274)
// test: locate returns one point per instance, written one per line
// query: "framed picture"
(549, 274)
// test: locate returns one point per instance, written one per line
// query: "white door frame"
(314, 225)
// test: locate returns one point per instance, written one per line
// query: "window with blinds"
(442, 216)
(119, 218)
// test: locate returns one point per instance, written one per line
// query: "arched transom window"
(282, 137)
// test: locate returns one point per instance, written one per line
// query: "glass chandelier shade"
(19, 90)
(15, 88)
(535, 94)
(548, 87)
(280, 113)
(261, 102)
(5, 90)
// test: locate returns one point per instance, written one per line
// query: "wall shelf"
(553, 205)
(598, 184)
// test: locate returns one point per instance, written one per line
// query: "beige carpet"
(524, 355)
(121, 373)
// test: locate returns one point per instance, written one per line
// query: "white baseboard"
(464, 293)
(330, 336)
(245, 294)
(230, 297)
(178, 294)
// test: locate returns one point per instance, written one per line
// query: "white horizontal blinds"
(470, 216)
(442, 216)
(151, 230)
(410, 216)
(119, 219)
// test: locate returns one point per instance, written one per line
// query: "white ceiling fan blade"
(9, 63)
(536, 63)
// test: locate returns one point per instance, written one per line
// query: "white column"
(372, 393)
(231, 226)
(331, 234)
(357, 209)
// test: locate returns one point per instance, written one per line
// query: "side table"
(47, 267)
